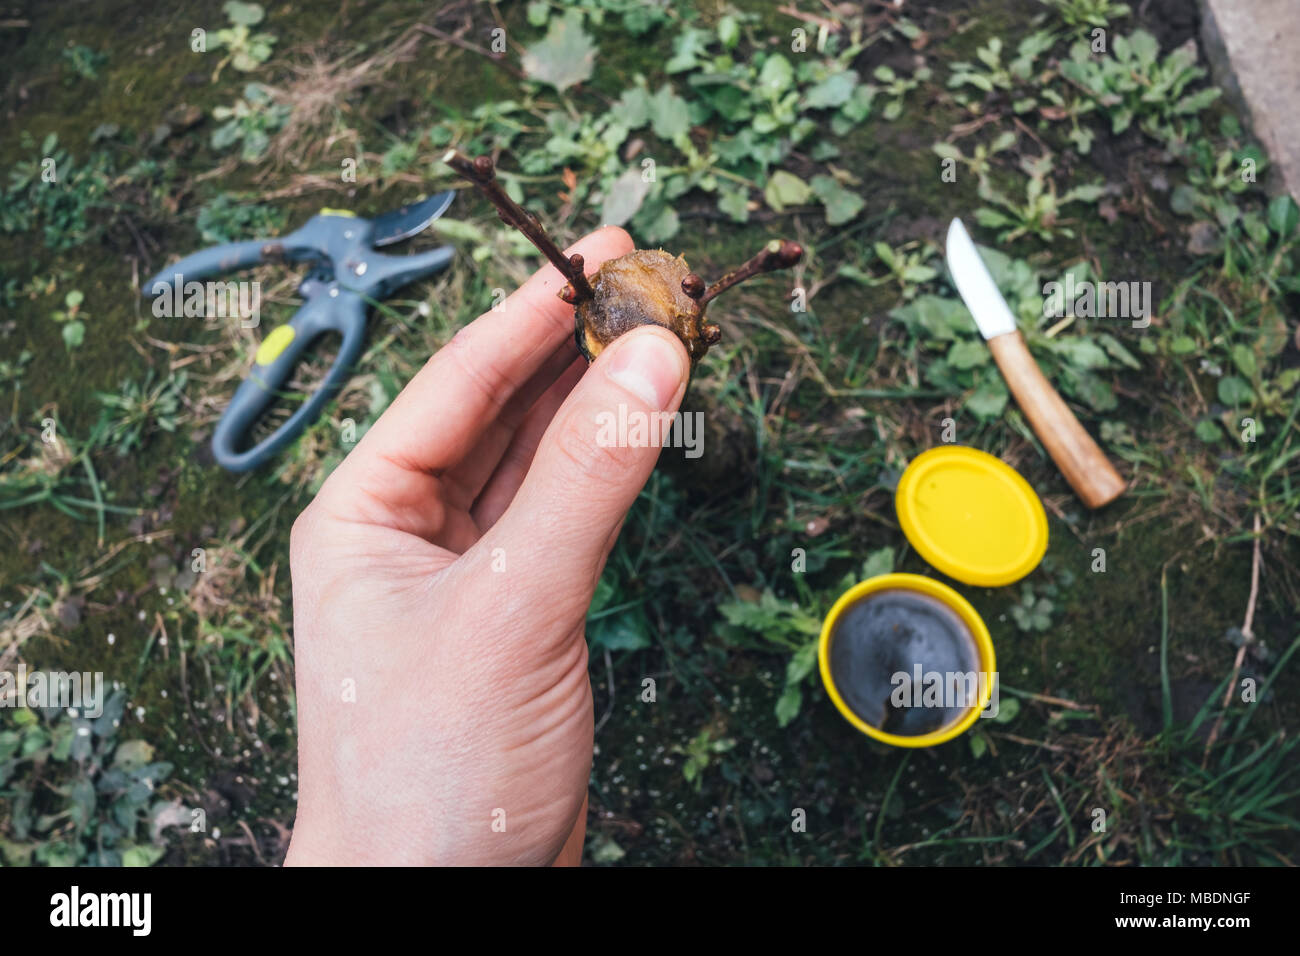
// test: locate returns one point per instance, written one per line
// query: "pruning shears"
(347, 274)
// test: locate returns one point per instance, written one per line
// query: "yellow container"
(959, 606)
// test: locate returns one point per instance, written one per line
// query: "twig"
(466, 45)
(252, 841)
(482, 174)
(1247, 636)
(833, 26)
(1056, 748)
(777, 254)
(1047, 699)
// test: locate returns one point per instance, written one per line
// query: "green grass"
(1118, 677)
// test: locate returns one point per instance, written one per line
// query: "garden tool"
(1083, 464)
(347, 274)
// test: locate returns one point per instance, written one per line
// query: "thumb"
(593, 461)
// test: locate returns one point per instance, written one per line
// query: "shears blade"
(405, 222)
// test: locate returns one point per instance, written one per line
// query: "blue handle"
(210, 262)
(346, 314)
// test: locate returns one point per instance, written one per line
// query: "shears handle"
(229, 257)
(279, 352)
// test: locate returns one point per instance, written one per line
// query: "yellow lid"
(972, 516)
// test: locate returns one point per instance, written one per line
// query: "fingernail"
(649, 366)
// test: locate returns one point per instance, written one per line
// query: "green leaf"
(1184, 200)
(634, 107)
(81, 796)
(728, 32)
(1235, 391)
(939, 317)
(605, 850)
(16, 854)
(1081, 353)
(988, 400)
(74, 333)
(968, 353)
(132, 755)
(1092, 390)
(1088, 193)
(788, 705)
(835, 90)
(1244, 359)
(669, 115)
(802, 663)
(978, 745)
(539, 11)
(663, 226)
(624, 197)
(735, 203)
(841, 205)
(947, 151)
(226, 135)
(691, 43)
(992, 219)
(1117, 351)
(858, 108)
(628, 630)
(880, 561)
(565, 56)
(1283, 215)
(143, 855)
(1008, 708)
(776, 76)
(1208, 430)
(246, 14)
(1197, 101)
(1142, 46)
(786, 189)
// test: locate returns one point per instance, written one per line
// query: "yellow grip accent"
(326, 211)
(274, 344)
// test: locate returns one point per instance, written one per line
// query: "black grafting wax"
(888, 634)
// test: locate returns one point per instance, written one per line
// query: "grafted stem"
(777, 254)
(482, 174)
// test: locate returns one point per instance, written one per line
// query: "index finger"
(438, 417)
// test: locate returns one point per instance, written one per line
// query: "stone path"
(1254, 47)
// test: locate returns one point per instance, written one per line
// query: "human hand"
(441, 581)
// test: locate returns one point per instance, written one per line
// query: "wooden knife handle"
(1083, 464)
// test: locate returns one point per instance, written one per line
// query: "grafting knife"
(1083, 464)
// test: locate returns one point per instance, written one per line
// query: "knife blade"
(1084, 465)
